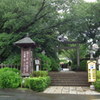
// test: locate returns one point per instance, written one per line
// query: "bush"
(74, 67)
(98, 75)
(37, 83)
(83, 65)
(9, 69)
(13, 59)
(40, 73)
(45, 62)
(9, 78)
(54, 64)
(97, 83)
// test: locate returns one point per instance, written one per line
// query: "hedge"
(9, 78)
(9, 69)
(39, 74)
(37, 83)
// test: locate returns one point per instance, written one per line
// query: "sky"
(90, 0)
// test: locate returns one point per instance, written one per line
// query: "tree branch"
(23, 28)
(41, 8)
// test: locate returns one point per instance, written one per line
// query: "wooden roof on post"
(25, 42)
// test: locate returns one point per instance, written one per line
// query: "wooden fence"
(10, 66)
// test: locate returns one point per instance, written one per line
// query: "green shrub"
(45, 62)
(40, 73)
(9, 78)
(37, 83)
(26, 82)
(98, 74)
(54, 64)
(13, 59)
(74, 66)
(97, 85)
(83, 65)
(9, 69)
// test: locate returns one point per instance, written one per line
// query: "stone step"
(69, 79)
(70, 84)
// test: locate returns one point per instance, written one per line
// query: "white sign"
(92, 66)
(37, 62)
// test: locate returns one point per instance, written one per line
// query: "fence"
(10, 66)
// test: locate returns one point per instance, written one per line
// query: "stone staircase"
(69, 78)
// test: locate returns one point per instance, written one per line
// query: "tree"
(83, 24)
(37, 17)
(45, 20)
(84, 21)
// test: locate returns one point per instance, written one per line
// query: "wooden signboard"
(27, 63)
(91, 70)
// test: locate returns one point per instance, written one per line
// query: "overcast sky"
(90, 0)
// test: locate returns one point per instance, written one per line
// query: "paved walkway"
(70, 90)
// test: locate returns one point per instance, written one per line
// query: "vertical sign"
(26, 66)
(37, 63)
(91, 71)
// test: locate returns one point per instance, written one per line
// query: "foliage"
(9, 78)
(37, 83)
(48, 63)
(54, 64)
(98, 74)
(6, 69)
(84, 21)
(45, 20)
(72, 54)
(45, 62)
(40, 73)
(74, 66)
(17, 17)
(83, 65)
(7, 50)
(13, 59)
(97, 83)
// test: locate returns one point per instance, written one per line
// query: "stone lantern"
(26, 44)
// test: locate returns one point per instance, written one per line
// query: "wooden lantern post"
(26, 44)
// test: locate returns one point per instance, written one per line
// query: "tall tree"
(37, 17)
(83, 22)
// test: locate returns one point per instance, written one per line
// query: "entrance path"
(70, 90)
